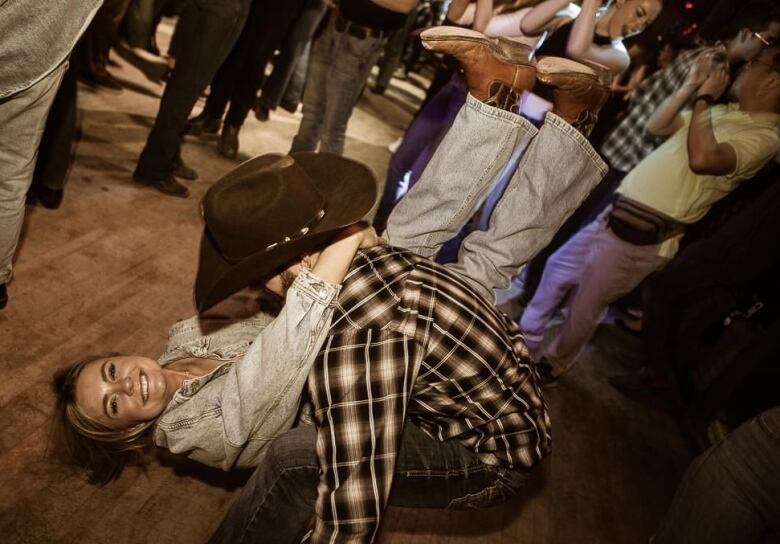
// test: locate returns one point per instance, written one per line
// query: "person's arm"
(705, 155)
(482, 15)
(636, 78)
(262, 392)
(666, 119)
(581, 45)
(538, 19)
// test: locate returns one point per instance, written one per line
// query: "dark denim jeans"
(277, 503)
(730, 493)
(338, 69)
(290, 53)
(207, 30)
(239, 78)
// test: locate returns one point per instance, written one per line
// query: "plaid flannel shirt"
(629, 142)
(411, 339)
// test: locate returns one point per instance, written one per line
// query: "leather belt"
(358, 31)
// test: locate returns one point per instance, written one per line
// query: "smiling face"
(121, 391)
(630, 17)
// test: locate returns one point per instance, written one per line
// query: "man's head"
(758, 82)
(748, 43)
(264, 214)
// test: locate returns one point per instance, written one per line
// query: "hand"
(715, 84)
(704, 65)
(363, 233)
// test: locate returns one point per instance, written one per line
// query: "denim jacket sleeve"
(244, 408)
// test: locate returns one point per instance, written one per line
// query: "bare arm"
(334, 261)
(482, 15)
(666, 120)
(581, 46)
(705, 155)
(538, 19)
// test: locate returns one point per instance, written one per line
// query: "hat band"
(301, 232)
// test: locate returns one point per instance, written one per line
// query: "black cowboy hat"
(270, 209)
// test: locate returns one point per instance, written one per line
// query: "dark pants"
(91, 54)
(55, 153)
(744, 250)
(730, 493)
(394, 50)
(420, 142)
(240, 76)
(290, 52)
(277, 503)
(210, 28)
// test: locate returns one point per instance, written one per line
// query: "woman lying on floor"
(236, 388)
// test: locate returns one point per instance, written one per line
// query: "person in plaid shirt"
(423, 393)
(629, 142)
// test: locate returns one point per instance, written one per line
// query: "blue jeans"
(277, 503)
(731, 492)
(484, 146)
(420, 143)
(338, 69)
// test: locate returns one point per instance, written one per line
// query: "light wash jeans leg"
(611, 269)
(277, 502)
(731, 493)
(315, 95)
(560, 275)
(22, 120)
(555, 174)
(351, 63)
(477, 147)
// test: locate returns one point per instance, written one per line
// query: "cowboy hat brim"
(349, 190)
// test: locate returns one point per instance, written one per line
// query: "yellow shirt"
(665, 182)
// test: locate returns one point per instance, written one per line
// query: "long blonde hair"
(101, 451)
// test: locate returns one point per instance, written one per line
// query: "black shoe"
(289, 106)
(202, 124)
(262, 113)
(547, 377)
(228, 143)
(49, 198)
(185, 172)
(105, 81)
(378, 89)
(3, 296)
(168, 186)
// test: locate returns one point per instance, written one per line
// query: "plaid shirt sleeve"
(361, 384)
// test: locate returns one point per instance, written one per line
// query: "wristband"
(708, 98)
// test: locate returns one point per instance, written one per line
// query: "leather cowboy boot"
(578, 91)
(493, 75)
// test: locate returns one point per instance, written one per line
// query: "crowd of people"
(547, 153)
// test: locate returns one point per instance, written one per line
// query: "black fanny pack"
(640, 225)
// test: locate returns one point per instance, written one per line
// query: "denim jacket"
(37, 36)
(226, 418)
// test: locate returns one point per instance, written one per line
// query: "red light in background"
(688, 5)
